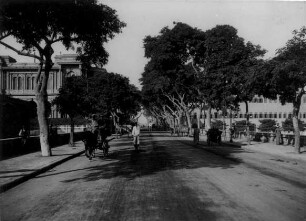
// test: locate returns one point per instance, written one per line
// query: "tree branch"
(172, 111)
(173, 100)
(61, 39)
(194, 68)
(53, 36)
(20, 52)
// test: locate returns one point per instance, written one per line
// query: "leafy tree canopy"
(70, 99)
(168, 52)
(287, 70)
(112, 93)
(38, 24)
(225, 60)
(168, 79)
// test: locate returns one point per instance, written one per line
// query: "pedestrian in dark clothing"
(23, 134)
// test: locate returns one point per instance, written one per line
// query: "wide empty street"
(170, 179)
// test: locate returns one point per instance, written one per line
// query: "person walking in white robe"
(135, 134)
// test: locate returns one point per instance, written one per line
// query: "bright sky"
(267, 23)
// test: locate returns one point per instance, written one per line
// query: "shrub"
(240, 126)
(267, 125)
(217, 124)
(288, 125)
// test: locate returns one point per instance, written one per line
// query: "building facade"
(259, 108)
(18, 79)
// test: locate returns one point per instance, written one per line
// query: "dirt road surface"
(170, 179)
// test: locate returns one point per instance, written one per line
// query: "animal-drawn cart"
(213, 136)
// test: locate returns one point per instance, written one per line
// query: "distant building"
(17, 79)
(260, 108)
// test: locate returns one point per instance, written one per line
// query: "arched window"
(19, 83)
(14, 83)
(32, 83)
(28, 83)
(49, 85)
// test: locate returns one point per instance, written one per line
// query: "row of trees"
(189, 68)
(106, 95)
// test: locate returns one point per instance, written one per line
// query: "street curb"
(24, 178)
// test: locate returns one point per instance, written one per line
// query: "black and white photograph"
(142, 110)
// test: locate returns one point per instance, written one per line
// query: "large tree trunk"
(231, 126)
(42, 101)
(296, 134)
(114, 116)
(42, 115)
(247, 122)
(71, 139)
(177, 126)
(188, 122)
(199, 119)
(295, 121)
(209, 117)
(223, 126)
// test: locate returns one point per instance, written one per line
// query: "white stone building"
(260, 108)
(17, 79)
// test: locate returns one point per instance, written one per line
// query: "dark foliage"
(15, 113)
(241, 126)
(217, 124)
(267, 125)
(287, 125)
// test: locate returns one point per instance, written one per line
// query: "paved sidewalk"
(273, 149)
(16, 170)
(286, 151)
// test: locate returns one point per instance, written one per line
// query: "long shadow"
(13, 171)
(155, 157)
(224, 150)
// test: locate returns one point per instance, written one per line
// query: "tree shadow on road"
(224, 150)
(153, 158)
